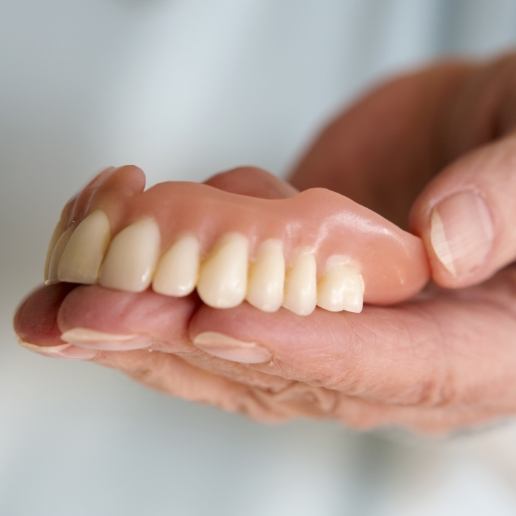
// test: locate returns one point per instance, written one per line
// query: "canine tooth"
(178, 269)
(55, 256)
(267, 277)
(223, 276)
(85, 250)
(301, 284)
(132, 257)
(341, 287)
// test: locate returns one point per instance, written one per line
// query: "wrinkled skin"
(437, 363)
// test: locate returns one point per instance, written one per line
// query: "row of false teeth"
(131, 262)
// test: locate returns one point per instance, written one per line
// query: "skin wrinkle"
(437, 390)
(324, 399)
(282, 412)
(152, 377)
(234, 371)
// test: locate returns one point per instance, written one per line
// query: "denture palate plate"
(85, 250)
(300, 294)
(267, 276)
(341, 287)
(223, 275)
(132, 256)
(382, 264)
(178, 269)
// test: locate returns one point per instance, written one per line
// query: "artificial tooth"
(84, 252)
(267, 276)
(178, 269)
(132, 256)
(55, 256)
(341, 287)
(301, 284)
(55, 236)
(223, 276)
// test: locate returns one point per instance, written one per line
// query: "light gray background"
(183, 89)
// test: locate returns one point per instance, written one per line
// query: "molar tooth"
(55, 256)
(265, 289)
(132, 257)
(84, 252)
(301, 284)
(178, 269)
(341, 287)
(223, 276)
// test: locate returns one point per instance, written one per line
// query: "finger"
(36, 326)
(252, 181)
(35, 320)
(433, 352)
(194, 376)
(467, 216)
(229, 386)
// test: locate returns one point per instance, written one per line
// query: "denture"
(316, 248)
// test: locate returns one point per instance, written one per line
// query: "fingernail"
(229, 348)
(60, 351)
(92, 339)
(461, 232)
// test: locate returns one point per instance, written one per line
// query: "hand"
(440, 362)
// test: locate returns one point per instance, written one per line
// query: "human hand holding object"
(439, 360)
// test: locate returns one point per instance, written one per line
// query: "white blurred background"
(185, 88)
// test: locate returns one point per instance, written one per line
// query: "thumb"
(467, 216)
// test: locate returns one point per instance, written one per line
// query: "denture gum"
(317, 248)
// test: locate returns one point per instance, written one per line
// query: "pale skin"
(438, 362)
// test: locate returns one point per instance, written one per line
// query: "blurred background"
(185, 88)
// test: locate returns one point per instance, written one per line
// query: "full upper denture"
(316, 248)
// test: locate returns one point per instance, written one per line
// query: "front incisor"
(55, 256)
(178, 269)
(131, 259)
(341, 287)
(84, 252)
(223, 276)
(301, 284)
(267, 277)
(58, 230)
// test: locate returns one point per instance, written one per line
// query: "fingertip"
(130, 175)
(35, 320)
(458, 233)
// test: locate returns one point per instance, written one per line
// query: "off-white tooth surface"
(85, 250)
(178, 269)
(267, 277)
(55, 256)
(55, 236)
(301, 284)
(223, 276)
(132, 257)
(341, 287)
